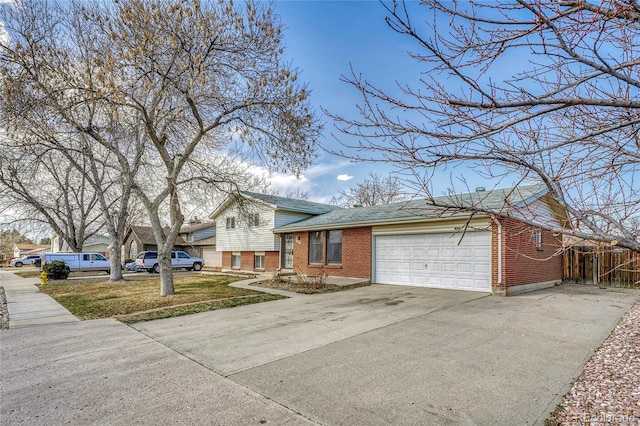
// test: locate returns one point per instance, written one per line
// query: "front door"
(288, 251)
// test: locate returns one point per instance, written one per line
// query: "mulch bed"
(305, 288)
(608, 390)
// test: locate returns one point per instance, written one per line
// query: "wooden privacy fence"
(606, 266)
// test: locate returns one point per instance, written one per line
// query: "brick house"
(244, 230)
(415, 243)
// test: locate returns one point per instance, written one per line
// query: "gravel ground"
(608, 390)
(4, 312)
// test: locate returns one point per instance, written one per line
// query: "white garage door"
(212, 257)
(435, 260)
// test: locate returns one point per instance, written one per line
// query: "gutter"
(497, 222)
(289, 228)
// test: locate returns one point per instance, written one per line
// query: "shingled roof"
(279, 203)
(418, 210)
(144, 234)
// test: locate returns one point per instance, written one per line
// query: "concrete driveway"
(372, 355)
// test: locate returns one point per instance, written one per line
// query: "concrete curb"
(246, 284)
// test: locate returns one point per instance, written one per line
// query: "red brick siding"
(247, 261)
(522, 262)
(356, 254)
(271, 260)
(226, 260)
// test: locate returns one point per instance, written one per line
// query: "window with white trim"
(538, 239)
(334, 247)
(258, 260)
(315, 247)
(254, 219)
(231, 223)
(235, 260)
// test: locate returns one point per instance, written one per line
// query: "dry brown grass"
(140, 300)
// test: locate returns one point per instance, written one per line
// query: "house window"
(235, 260)
(538, 239)
(254, 219)
(315, 247)
(334, 247)
(231, 223)
(258, 260)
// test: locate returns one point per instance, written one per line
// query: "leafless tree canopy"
(542, 91)
(176, 92)
(372, 191)
(39, 186)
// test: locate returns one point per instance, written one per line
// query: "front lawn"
(28, 274)
(139, 300)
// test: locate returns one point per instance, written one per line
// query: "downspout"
(497, 222)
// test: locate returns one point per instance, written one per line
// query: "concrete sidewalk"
(27, 306)
(102, 372)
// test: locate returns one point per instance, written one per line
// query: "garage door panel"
(465, 268)
(481, 268)
(435, 260)
(212, 257)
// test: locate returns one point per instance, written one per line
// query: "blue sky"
(323, 39)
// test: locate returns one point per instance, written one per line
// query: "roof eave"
(364, 224)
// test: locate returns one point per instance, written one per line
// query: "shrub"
(312, 281)
(56, 270)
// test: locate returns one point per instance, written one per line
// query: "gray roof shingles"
(292, 204)
(415, 210)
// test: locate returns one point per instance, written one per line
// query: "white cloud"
(344, 177)
(281, 182)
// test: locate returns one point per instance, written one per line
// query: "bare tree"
(192, 79)
(372, 191)
(522, 91)
(42, 187)
(9, 238)
(298, 194)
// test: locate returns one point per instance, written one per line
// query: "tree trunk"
(166, 273)
(116, 266)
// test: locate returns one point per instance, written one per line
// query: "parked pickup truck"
(148, 260)
(81, 261)
(33, 259)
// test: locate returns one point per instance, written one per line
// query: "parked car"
(32, 259)
(148, 260)
(129, 266)
(81, 261)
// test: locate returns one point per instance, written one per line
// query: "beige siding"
(452, 225)
(538, 211)
(211, 257)
(245, 237)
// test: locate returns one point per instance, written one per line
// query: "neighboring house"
(197, 239)
(140, 238)
(201, 240)
(245, 224)
(413, 243)
(21, 250)
(96, 244)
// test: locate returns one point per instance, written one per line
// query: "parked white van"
(81, 261)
